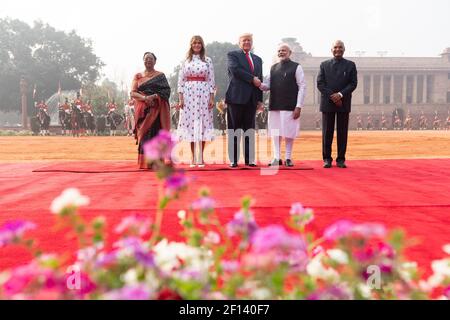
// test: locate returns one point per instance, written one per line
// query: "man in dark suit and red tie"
(242, 98)
(336, 81)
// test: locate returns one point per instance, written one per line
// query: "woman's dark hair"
(154, 57)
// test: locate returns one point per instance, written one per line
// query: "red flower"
(167, 294)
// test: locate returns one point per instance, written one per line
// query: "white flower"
(212, 237)
(261, 294)
(435, 280)
(316, 269)
(130, 277)
(169, 254)
(181, 215)
(69, 198)
(338, 255)
(406, 270)
(446, 248)
(365, 290)
(441, 267)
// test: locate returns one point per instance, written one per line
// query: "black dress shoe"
(341, 164)
(289, 163)
(233, 165)
(276, 162)
(250, 165)
(327, 164)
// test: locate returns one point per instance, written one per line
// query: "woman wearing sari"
(151, 91)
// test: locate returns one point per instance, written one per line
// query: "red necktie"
(249, 62)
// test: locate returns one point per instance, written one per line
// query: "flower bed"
(236, 260)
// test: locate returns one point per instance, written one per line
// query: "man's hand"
(335, 97)
(256, 82)
(296, 113)
(338, 103)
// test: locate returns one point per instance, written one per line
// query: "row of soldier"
(77, 117)
(407, 124)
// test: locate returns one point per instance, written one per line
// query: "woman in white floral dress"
(196, 99)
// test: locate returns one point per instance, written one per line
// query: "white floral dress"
(196, 119)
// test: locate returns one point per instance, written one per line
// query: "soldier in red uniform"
(369, 122)
(448, 122)
(89, 117)
(359, 125)
(42, 115)
(383, 121)
(111, 116)
(64, 117)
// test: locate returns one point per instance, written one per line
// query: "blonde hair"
(246, 35)
(190, 52)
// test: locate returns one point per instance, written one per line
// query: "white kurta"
(281, 123)
(196, 119)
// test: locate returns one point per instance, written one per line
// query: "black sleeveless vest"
(283, 86)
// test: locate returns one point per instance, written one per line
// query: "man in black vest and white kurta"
(336, 81)
(287, 94)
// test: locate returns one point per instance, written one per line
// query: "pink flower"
(276, 238)
(303, 215)
(338, 230)
(32, 274)
(297, 209)
(135, 292)
(137, 223)
(13, 230)
(160, 147)
(344, 228)
(204, 204)
(230, 265)
(369, 230)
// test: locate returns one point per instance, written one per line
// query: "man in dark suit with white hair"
(242, 98)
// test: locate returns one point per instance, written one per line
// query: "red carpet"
(412, 194)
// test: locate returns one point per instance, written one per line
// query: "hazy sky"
(122, 31)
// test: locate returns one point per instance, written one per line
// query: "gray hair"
(338, 41)
(284, 44)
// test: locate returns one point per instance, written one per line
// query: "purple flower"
(13, 230)
(242, 224)
(106, 259)
(284, 247)
(338, 230)
(135, 292)
(275, 238)
(145, 258)
(160, 147)
(175, 183)
(204, 204)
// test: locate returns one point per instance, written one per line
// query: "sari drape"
(150, 118)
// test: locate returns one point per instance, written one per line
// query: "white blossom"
(69, 198)
(338, 255)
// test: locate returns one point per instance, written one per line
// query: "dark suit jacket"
(241, 88)
(337, 76)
